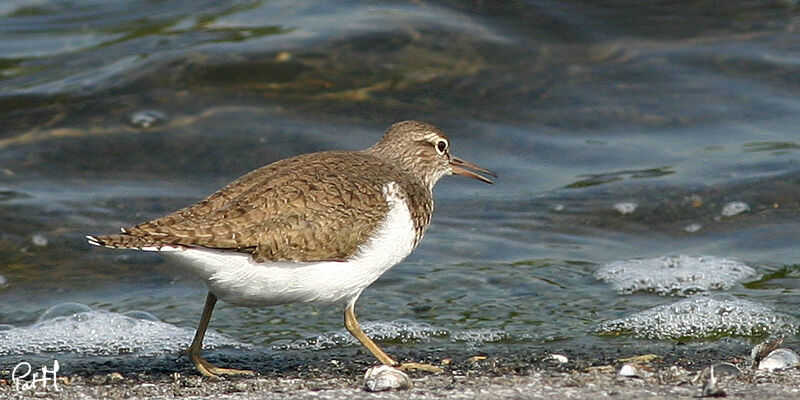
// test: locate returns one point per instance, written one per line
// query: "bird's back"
(312, 207)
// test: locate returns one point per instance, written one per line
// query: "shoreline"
(486, 378)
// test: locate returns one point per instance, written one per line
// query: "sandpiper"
(317, 227)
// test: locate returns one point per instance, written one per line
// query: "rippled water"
(619, 131)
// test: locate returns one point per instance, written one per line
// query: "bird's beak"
(461, 167)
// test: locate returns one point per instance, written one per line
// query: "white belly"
(236, 278)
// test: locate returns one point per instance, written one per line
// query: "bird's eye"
(441, 146)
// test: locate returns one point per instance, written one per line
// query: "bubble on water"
(692, 228)
(147, 118)
(401, 330)
(674, 275)
(64, 310)
(701, 317)
(76, 328)
(39, 240)
(143, 315)
(625, 207)
(734, 208)
(3, 280)
(487, 335)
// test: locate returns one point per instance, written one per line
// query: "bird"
(318, 227)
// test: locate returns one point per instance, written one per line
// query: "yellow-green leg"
(203, 366)
(354, 328)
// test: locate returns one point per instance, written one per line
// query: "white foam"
(626, 207)
(693, 228)
(701, 317)
(487, 335)
(76, 328)
(674, 275)
(400, 330)
(145, 119)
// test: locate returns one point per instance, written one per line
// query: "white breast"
(236, 278)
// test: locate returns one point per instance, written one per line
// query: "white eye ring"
(441, 146)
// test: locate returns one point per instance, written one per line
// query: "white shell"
(383, 377)
(631, 371)
(559, 358)
(779, 359)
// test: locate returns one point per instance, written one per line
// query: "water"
(619, 131)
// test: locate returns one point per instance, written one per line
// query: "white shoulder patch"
(393, 194)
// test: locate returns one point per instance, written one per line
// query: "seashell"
(383, 377)
(779, 359)
(633, 371)
(558, 358)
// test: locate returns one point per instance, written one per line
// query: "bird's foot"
(209, 370)
(419, 367)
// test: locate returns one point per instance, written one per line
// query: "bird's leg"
(203, 366)
(354, 328)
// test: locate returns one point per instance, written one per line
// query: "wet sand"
(485, 378)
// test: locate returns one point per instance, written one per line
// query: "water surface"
(113, 113)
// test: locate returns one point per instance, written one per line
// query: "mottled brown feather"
(312, 207)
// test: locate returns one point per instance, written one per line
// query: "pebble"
(726, 369)
(115, 377)
(475, 359)
(559, 358)
(632, 371)
(383, 377)
(734, 208)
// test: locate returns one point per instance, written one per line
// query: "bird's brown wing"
(313, 207)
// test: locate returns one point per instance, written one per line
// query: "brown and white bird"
(317, 227)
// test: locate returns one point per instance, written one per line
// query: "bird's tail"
(126, 241)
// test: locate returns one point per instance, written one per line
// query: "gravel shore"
(484, 378)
